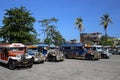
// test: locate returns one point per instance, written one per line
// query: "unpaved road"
(70, 69)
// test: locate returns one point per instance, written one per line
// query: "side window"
(6, 52)
(0, 50)
(94, 48)
(40, 49)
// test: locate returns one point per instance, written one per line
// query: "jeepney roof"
(31, 46)
(41, 45)
(72, 45)
(88, 45)
(96, 45)
(13, 45)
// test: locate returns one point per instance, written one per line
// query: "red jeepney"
(15, 55)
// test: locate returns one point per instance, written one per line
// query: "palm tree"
(79, 25)
(105, 20)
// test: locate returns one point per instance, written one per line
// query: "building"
(90, 38)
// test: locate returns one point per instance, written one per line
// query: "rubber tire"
(69, 56)
(12, 65)
(66, 55)
(54, 59)
(42, 61)
(89, 57)
(30, 66)
(92, 57)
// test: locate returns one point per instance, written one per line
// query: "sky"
(66, 11)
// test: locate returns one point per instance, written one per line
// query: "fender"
(6, 61)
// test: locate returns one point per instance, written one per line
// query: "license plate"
(61, 58)
(25, 62)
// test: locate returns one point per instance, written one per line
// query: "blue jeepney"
(77, 50)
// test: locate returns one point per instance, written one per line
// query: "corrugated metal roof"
(42, 45)
(71, 45)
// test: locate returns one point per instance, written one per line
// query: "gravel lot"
(70, 69)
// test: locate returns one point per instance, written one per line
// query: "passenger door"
(4, 54)
(0, 52)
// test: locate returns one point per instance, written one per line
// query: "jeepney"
(55, 54)
(102, 50)
(15, 55)
(35, 52)
(79, 51)
(43, 48)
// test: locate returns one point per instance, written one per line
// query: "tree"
(58, 38)
(18, 26)
(46, 25)
(105, 20)
(49, 29)
(79, 25)
(110, 41)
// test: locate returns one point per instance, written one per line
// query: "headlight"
(91, 53)
(36, 54)
(41, 55)
(26, 54)
(18, 56)
(53, 54)
(62, 54)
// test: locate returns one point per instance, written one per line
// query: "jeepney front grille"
(23, 57)
(37, 55)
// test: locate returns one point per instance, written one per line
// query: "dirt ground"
(69, 69)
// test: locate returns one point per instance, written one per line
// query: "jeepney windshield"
(33, 49)
(16, 49)
(99, 47)
(73, 48)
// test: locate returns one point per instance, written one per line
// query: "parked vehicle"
(54, 54)
(98, 48)
(43, 48)
(106, 53)
(35, 52)
(118, 50)
(90, 49)
(113, 51)
(102, 50)
(15, 55)
(78, 51)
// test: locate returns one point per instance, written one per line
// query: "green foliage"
(110, 41)
(52, 35)
(118, 42)
(79, 24)
(18, 26)
(47, 25)
(55, 39)
(48, 41)
(105, 20)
